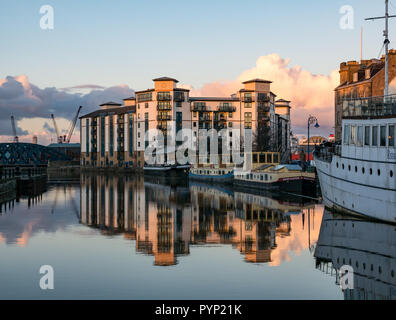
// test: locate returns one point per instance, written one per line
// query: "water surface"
(130, 238)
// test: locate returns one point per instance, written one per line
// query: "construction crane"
(58, 136)
(16, 139)
(64, 138)
(73, 125)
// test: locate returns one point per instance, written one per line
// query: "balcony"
(263, 97)
(247, 99)
(162, 126)
(164, 97)
(164, 107)
(178, 97)
(199, 108)
(164, 117)
(263, 108)
(263, 118)
(205, 118)
(225, 108)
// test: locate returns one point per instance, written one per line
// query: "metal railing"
(369, 107)
(224, 108)
(164, 107)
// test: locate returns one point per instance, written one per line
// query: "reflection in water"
(18, 225)
(165, 221)
(370, 248)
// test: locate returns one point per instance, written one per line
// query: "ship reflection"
(165, 221)
(368, 247)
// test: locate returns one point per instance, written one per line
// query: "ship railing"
(325, 152)
(378, 106)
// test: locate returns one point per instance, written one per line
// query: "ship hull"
(353, 192)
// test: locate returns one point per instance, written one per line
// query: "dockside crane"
(58, 136)
(16, 139)
(73, 125)
(66, 138)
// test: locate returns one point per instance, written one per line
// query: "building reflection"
(368, 247)
(165, 221)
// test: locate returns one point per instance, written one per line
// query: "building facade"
(118, 135)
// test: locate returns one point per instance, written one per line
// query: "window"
(229, 114)
(391, 136)
(383, 136)
(359, 142)
(146, 105)
(366, 136)
(374, 136)
(248, 120)
(346, 134)
(353, 135)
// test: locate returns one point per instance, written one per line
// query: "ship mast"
(386, 44)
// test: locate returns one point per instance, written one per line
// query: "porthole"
(379, 270)
(364, 266)
(337, 165)
(355, 169)
(372, 268)
(343, 166)
(363, 170)
(379, 172)
(392, 273)
(349, 167)
(371, 171)
(391, 173)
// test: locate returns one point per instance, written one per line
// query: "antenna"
(361, 44)
(386, 43)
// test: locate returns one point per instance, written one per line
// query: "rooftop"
(110, 103)
(257, 80)
(213, 99)
(165, 79)
(105, 112)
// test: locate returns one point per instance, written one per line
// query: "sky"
(102, 49)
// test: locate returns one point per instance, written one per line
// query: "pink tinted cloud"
(309, 93)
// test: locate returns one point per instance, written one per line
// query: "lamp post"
(311, 120)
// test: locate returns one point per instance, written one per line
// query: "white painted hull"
(359, 193)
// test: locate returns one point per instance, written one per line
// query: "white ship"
(358, 176)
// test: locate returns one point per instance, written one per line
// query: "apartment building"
(117, 136)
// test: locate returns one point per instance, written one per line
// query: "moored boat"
(213, 175)
(284, 177)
